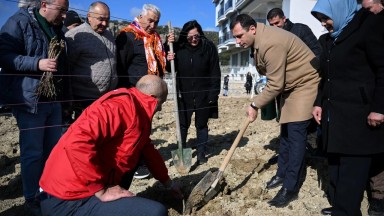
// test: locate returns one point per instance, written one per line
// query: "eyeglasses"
(193, 37)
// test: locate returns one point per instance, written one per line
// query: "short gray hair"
(28, 3)
(150, 7)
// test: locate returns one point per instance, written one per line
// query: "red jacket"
(106, 141)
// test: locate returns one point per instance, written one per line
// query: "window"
(244, 58)
(234, 60)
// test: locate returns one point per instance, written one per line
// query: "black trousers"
(348, 176)
(293, 139)
(201, 122)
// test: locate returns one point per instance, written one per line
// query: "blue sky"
(176, 11)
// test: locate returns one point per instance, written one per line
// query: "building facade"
(226, 10)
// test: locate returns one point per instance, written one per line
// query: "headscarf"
(340, 11)
(154, 50)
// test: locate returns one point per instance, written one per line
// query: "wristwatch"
(253, 105)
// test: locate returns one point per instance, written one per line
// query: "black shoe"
(275, 182)
(201, 158)
(376, 207)
(283, 198)
(141, 172)
(326, 211)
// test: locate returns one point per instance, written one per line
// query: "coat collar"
(288, 25)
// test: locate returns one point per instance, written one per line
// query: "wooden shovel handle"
(234, 145)
(178, 131)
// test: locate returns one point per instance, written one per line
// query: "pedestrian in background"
(225, 85)
(248, 83)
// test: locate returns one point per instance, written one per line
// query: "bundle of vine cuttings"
(46, 87)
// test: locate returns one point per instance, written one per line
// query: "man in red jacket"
(91, 168)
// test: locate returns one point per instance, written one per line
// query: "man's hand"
(174, 188)
(48, 65)
(375, 119)
(316, 112)
(113, 193)
(251, 113)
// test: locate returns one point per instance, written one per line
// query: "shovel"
(182, 158)
(209, 185)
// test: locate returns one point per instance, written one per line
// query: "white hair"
(150, 7)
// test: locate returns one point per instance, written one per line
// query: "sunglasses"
(193, 37)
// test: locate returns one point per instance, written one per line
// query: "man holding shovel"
(91, 168)
(290, 67)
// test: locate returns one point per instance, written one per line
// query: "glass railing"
(228, 5)
(220, 13)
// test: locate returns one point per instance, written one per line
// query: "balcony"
(229, 9)
(240, 3)
(226, 41)
(220, 15)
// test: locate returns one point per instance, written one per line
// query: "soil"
(242, 190)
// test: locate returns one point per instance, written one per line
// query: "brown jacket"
(291, 69)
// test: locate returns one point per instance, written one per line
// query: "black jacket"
(305, 34)
(352, 86)
(131, 61)
(198, 73)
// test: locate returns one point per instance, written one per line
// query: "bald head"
(155, 86)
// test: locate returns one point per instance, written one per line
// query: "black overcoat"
(198, 76)
(352, 86)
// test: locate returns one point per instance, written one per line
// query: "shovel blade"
(196, 198)
(182, 160)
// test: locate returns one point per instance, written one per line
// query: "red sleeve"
(155, 163)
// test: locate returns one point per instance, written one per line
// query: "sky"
(176, 11)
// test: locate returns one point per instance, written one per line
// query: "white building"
(240, 61)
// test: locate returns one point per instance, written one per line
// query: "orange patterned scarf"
(153, 48)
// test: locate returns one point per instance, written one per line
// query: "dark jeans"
(92, 206)
(293, 139)
(348, 177)
(39, 133)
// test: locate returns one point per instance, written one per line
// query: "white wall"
(300, 11)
